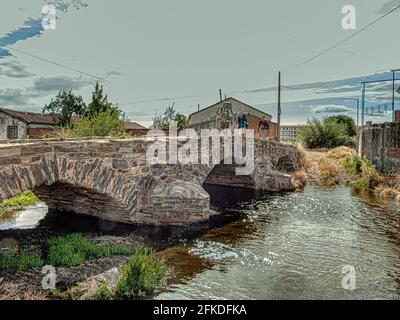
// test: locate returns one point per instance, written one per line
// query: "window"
(12, 132)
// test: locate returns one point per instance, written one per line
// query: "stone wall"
(5, 121)
(380, 143)
(111, 179)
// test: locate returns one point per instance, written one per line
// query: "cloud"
(334, 86)
(66, 5)
(33, 27)
(14, 69)
(30, 28)
(57, 83)
(16, 97)
(386, 7)
(113, 73)
(42, 86)
(331, 109)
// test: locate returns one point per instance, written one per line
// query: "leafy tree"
(323, 134)
(100, 104)
(347, 121)
(66, 105)
(163, 121)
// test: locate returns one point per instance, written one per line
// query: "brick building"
(210, 117)
(21, 125)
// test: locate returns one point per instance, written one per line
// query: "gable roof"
(230, 98)
(129, 125)
(32, 117)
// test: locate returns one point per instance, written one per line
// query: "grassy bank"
(23, 200)
(330, 167)
(71, 250)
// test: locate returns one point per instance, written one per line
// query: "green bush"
(352, 165)
(323, 134)
(142, 274)
(365, 171)
(103, 124)
(20, 262)
(75, 249)
(24, 199)
(347, 121)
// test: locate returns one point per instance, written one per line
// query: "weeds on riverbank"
(20, 262)
(139, 277)
(329, 175)
(75, 249)
(25, 199)
(142, 275)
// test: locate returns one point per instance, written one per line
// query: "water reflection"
(294, 246)
(24, 219)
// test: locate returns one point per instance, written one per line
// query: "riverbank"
(329, 168)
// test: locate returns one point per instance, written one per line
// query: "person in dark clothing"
(263, 128)
(242, 121)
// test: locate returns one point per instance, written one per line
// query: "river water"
(294, 246)
(270, 246)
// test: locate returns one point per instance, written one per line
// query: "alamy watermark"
(349, 20)
(210, 146)
(349, 280)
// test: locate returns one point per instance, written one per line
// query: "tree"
(347, 121)
(100, 104)
(170, 115)
(323, 134)
(66, 106)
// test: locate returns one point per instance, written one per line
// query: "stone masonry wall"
(111, 179)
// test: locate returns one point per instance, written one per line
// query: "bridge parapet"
(111, 179)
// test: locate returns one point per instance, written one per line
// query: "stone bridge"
(112, 180)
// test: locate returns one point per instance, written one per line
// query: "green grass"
(142, 275)
(25, 199)
(75, 249)
(20, 262)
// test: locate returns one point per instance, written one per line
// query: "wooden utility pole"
(220, 95)
(278, 127)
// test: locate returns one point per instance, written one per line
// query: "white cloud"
(331, 109)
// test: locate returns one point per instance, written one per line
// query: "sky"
(152, 53)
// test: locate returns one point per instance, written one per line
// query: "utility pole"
(278, 127)
(363, 105)
(220, 95)
(393, 93)
(358, 112)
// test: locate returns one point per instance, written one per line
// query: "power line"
(54, 63)
(344, 40)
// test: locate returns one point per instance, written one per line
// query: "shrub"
(75, 249)
(347, 121)
(103, 124)
(20, 262)
(352, 165)
(24, 199)
(329, 175)
(323, 134)
(142, 274)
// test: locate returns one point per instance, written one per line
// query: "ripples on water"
(294, 246)
(282, 246)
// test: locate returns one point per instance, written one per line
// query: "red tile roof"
(133, 126)
(31, 117)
